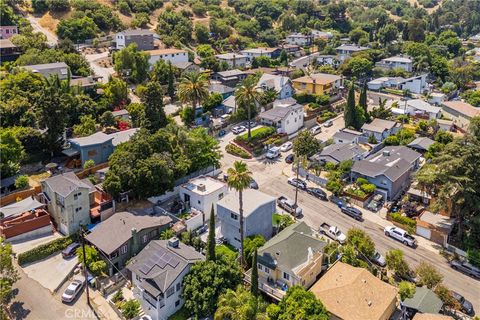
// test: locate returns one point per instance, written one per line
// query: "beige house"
(293, 257)
(351, 293)
(460, 112)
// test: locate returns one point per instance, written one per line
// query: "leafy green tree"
(77, 29)
(193, 88)
(239, 304)
(204, 284)
(137, 114)
(446, 296)
(439, 66)
(171, 80)
(175, 25)
(251, 244)
(406, 290)
(247, 95)
(212, 101)
(152, 98)
(428, 275)
(363, 102)
(306, 145)
(202, 34)
(358, 66)
(89, 164)
(298, 303)
(211, 237)
(387, 33)
(107, 119)
(361, 241)
(132, 62)
(8, 274)
(239, 178)
(283, 57)
(415, 30)
(396, 263)
(254, 286)
(92, 260)
(350, 256)
(130, 308)
(86, 126)
(11, 153)
(22, 182)
(349, 112)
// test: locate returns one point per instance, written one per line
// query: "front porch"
(276, 290)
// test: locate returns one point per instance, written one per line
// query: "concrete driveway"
(52, 271)
(22, 246)
(105, 73)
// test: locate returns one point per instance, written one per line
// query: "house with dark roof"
(8, 51)
(423, 301)
(49, 69)
(389, 169)
(143, 38)
(421, 144)
(292, 257)
(124, 235)
(380, 129)
(286, 115)
(258, 210)
(218, 87)
(68, 201)
(157, 276)
(339, 152)
(229, 78)
(346, 136)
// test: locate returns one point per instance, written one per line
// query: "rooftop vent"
(173, 242)
(386, 153)
(201, 187)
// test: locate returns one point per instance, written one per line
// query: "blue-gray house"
(98, 146)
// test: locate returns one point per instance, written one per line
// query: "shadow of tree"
(17, 311)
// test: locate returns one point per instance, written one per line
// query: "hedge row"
(257, 134)
(45, 250)
(397, 217)
(237, 151)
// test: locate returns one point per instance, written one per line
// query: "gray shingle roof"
(391, 161)
(65, 183)
(424, 300)
(44, 66)
(350, 47)
(109, 235)
(252, 199)
(341, 151)
(279, 113)
(96, 138)
(421, 143)
(122, 136)
(159, 276)
(136, 32)
(289, 248)
(379, 125)
(220, 88)
(346, 135)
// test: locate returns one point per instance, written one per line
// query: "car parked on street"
(316, 130)
(273, 153)
(253, 184)
(328, 123)
(317, 193)
(297, 183)
(289, 206)
(73, 289)
(287, 146)
(238, 129)
(465, 305)
(400, 235)
(70, 251)
(333, 232)
(352, 212)
(290, 158)
(466, 268)
(378, 259)
(251, 124)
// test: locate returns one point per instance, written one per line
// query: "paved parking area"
(19, 247)
(52, 271)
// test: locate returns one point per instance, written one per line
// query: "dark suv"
(466, 268)
(317, 193)
(352, 212)
(70, 251)
(466, 305)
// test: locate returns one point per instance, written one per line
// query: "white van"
(273, 153)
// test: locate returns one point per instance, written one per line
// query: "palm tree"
(193, 88)
(239, 178)
(246, 95)
(240, 304)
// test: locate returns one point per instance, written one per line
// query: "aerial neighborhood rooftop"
(240, 159)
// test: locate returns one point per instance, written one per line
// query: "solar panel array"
(160, 259)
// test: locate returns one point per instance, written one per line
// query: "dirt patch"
(48, 22)
(134, 204)
(105, 62)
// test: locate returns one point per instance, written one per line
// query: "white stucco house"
(420, 107)
(281, 84)
(286, 115)
(402, 62)
(234, 60)
(172, 55)
(202, 192)
(380, 129)
(261, 51)
(346, 50)
(299, 39)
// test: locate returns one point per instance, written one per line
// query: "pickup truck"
(332, 232)
(289, 206)
(400, 235)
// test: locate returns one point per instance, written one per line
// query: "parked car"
(379, 259)
(352, 212)
(238, 129)
(333, 232)
(410, 276)
(290, 158)
(73, 289)
(400, 235)
(466, 268)
(251, 124)
(253, 184)
(328, 123)
(466, 306)
(287, 146)
(316, 129)
(145, 317)
(289, 206)
(297, 183)
(273, 153)
(376, 203)
(317, 193)
(337, 200)
(70, 251)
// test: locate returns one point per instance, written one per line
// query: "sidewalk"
(101, 306)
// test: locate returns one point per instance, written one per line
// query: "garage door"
(424, 232)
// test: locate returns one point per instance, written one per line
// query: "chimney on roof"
(173, 242)
(386, 153)
(201, 187)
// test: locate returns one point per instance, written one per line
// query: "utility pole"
(296, 184)
(85, 274)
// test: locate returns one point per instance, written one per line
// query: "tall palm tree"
(193, 88)
(240, 304)
(239, 178)
(246, 95)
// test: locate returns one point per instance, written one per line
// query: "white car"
(73, 289)
(238, 129)
(328, 123)
(315, 130)
(286, 146)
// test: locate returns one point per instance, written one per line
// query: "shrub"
(409, 222)
(21, 182)
(322, 100)
(361, 181)
(45, 250)
(356, 192)
(89, 164)
(327, 115)
(334, 186)
(257, 134)
(130, 309)
(237, 151)
(368, 188)
(118, 296)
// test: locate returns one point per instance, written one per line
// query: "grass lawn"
(181, 314)
(276, 219)
(226, 250)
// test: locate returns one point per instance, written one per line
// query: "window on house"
(259, 266)
(220, 196)
(199, 202)
(177, 303)
(266, 270)
(145, 238)
(233, 216)
(114, 255)
(170, 291)
(179, 286)
(286, 276)
(123, 249)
